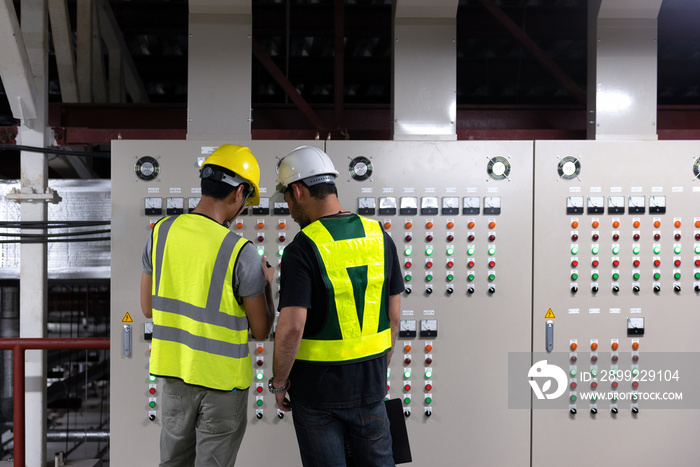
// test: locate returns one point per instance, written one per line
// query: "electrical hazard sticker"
(127, 318)
(548, 315)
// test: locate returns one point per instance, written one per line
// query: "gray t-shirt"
(249, 278)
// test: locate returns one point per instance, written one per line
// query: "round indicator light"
(450, 251)
(574, 250)
(595, 250)
(428, 251)
(615, 249)
(428, 374)
(657, 250)
(407, 251)
(677, 249)
(407, 374)
(635, 276)
(636, 250)
(259, 376)
(470, 251)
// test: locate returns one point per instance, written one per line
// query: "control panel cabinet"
(616, 290)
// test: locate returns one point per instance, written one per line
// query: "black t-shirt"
(326, 385)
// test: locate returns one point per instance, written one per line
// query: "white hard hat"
(306, 163)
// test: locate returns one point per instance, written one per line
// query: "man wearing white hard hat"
(339, 314)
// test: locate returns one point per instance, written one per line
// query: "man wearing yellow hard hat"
(204, 286)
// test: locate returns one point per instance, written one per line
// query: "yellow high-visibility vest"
(200, 331)
(350, 251)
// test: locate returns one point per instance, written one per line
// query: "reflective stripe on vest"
(359, 340)
(200, 332)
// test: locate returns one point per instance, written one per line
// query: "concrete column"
(219, 69)
(424, 92)
(622, 69)
(33, 277)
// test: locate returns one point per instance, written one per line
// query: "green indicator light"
(595, 276)
(594, 372)
(450, 251)
(614, 397)
(261, 250)
(428, 251)
(428, 400)
(259, 402)
(407, 374)
(492, 277)
(616, 276)
(677, 275)
(407, 251)
(151, 378)
(636, 276)
(259, 376)
(574, 250)
(429, 277)
(616, 250)
(406, 400)
(386, 399)
(152, 404)
(470, 251)
(408, 278)
(657, 276)
(428, 374)
(388, 372)
(595, 250)
(573, 372)
(657, 250)
(492, 250)
(636, 250)
(635, 371)
(697, 275)
(594, 398)
(280, 251)
(574, 276)
(697, 249)
(635, 397)
(573, 398)
(470, 277)
(450, 277)
(677, 249)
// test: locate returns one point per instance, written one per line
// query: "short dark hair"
(320, 190)
(220, 190)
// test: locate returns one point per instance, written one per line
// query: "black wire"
(64, 152)
(51, 224)
(58, 240)
(64, 234)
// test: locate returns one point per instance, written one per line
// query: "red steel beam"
(535, 50)
(18, 346)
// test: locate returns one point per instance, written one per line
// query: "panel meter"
(616, 205)
(192, 203)
(636, 205)
(492, 205)
(429, 205)
(657, 204)
(574, 205)
(281, 208)
(175, 206)
(596, 205)
(263, 207)
(366, 206)
(154, 206)
(471, 205)
(408, 206)
(387, 206)
(450, 205)
(407, 328)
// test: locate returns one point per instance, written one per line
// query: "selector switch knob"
(572, 410)
(574, 289)
(616, 288)
(635, 410)
(657, 288)
(280, 415)
(635, 289)
(258, 415)
(492, 289)
(450, 290)
(470, 289)
(677, 288)
(429, 289)
(151, 416)
(594, 410)
(613, 410)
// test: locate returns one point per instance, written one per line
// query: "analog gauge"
(192, 203)
(636, 205)
(366, 206)
(280, 208)
(408, 206)
(616, 205)
(450, 205)
(596, 205)
(635, 326)
(429, 205)
(657, 204)
(154, 206)
(569, 168)
(470, 205)
(574, 205)
(498, 168)
(492, 205)
(175, 206)
(428, 328)
(696, 168)
(360, 168)
(387, 206)
(263, 208)
(407, 328)
(147, 168)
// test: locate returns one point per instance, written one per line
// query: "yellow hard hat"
(240, 161)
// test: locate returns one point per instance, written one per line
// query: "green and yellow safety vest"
(200, 331)
(350, 252)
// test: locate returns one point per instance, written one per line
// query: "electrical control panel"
(616, 289)
(460, 214)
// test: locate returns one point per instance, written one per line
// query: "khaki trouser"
(201, 427)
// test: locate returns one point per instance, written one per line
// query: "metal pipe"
(87, 436)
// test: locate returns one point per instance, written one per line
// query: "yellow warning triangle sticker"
(548, 315)
(127, 318)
